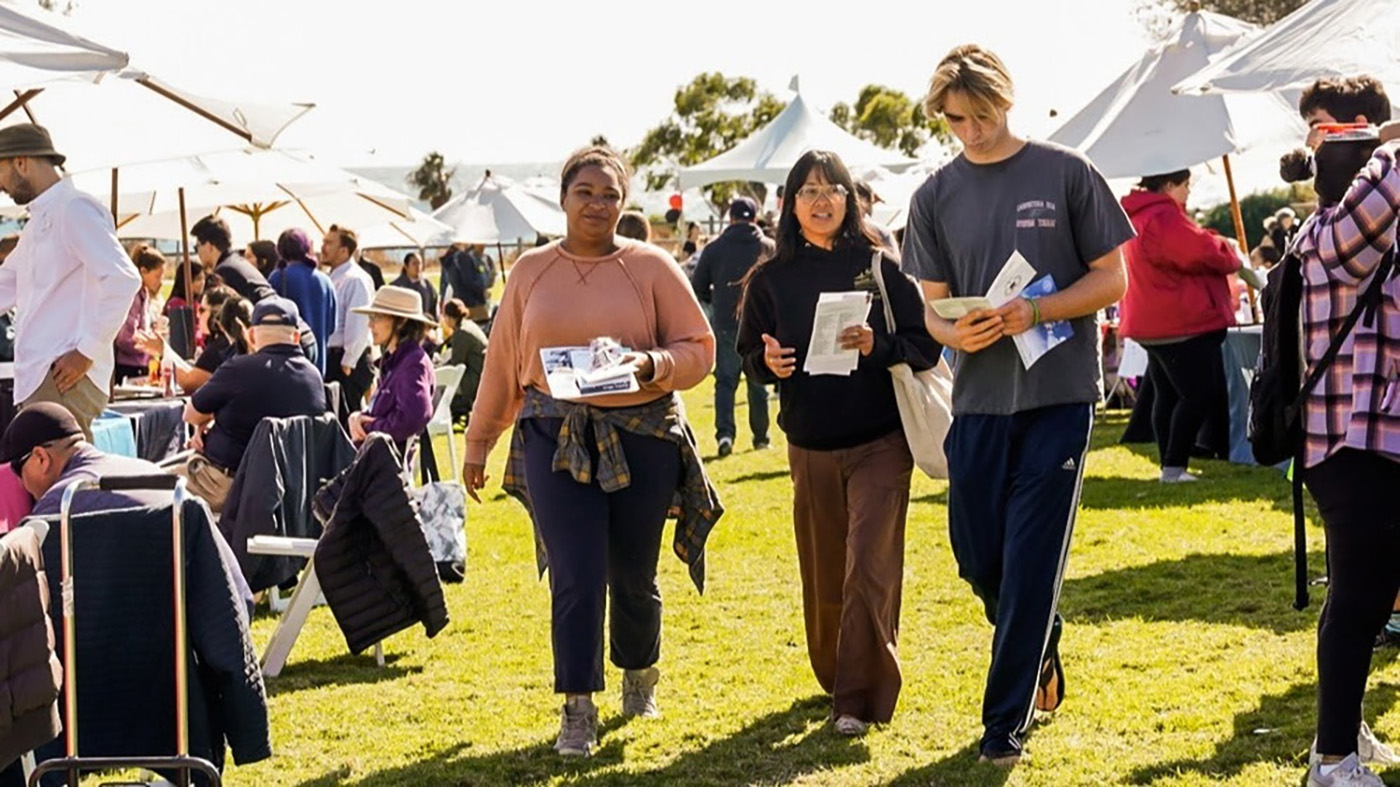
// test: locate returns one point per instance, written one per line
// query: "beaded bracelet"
(1035, 311)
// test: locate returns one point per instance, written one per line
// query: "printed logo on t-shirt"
(1036, 214)
(865, 280)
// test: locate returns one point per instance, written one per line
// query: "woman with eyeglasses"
(850, 463)
(218, 347)
(599, 473)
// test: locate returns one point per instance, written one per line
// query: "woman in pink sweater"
(598, 474)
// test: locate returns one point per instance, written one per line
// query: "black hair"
(1344, 99)
(1337, 165)
(408, 331)
(235, 315)
(1159, 182)
(265, 252)
(214, 231)
(594, 156)
(853, 233)
(412, 255)
(455, 309)
(181, 290)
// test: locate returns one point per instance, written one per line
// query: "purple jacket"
(403, 404)
(128, 353)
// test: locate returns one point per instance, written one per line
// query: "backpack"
(1279, 389)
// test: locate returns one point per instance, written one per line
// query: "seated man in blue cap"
(274, 380)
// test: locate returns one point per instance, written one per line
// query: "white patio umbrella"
(1324, 38)
(36, 49)
(497, 211)
(1137, 126)
(259, 192)
(419, 230)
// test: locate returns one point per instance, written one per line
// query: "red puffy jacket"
(1178, 273)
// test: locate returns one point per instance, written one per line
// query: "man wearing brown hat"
(69, 281)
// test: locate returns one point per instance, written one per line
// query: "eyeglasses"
(834, 193)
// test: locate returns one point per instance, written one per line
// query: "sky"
(526, 81)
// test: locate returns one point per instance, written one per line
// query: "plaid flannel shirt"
(696, 506)
(1356, 404)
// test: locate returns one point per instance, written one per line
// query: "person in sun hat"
(275, 379)
(69, 280)
(402, 404)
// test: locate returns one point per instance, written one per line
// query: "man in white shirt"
(69, 281)
(347, 362)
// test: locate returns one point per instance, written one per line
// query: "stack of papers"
(578, 372)
(1017, 279)
(836, 311)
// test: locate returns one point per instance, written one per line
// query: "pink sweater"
(637, 295)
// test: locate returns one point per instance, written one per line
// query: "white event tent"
(768, 154)
(35, 51)
(1324, 38)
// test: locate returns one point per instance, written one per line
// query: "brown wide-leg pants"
(849, 507)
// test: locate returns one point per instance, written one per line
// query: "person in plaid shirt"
(1352, 426)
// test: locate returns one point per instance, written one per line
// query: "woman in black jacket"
(851, 465)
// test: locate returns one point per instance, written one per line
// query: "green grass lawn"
(1185, 663)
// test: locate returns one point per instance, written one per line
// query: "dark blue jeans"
(597, 543)
(728, 366)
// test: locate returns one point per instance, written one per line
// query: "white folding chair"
(449, 378)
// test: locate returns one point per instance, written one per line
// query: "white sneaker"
(1348, 773)
(1179, 478)
(1369, 749)
(639, 692)
(578, 729)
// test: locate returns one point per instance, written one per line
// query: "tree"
(599, 141)
(65, 8)
(432, 180)
(712, 114)
(1254, 208)
(1157, 15)
(890, 119)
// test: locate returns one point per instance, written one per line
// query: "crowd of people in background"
(293, 327)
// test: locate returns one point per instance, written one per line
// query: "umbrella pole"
(114, 195)
(501, 259)
(184, 241)
(1239, 229)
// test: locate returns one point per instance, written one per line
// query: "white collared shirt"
(71, 285)
(353, 288)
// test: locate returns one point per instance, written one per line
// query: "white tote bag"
(925, 398)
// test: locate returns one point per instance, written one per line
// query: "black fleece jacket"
(828, 412)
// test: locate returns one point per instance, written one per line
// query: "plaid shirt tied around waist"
(1356, 404)
(696, 506)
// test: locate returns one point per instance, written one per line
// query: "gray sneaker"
(639, 692)
(1349, 773)
(1369, 749)
(578, 729)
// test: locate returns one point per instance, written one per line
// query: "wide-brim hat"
(28, 140)
(394, 301)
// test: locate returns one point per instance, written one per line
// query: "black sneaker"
(726, 446)
(1001, 750)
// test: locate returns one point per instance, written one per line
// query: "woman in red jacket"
(1178, 305)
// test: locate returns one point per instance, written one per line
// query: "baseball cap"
(743, 209)
(33, 426)
(275, 311)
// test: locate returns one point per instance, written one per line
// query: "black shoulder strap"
(1366, 302)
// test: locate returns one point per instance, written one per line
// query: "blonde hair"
(975, 72)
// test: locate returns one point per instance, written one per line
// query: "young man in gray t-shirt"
(1019, 436)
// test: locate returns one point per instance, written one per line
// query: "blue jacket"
(312, 292)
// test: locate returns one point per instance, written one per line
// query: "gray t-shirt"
(1052, 205)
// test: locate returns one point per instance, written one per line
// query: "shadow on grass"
(1244, 590)
(777, 748)
(761, 475)
(1280, 729)
(961, 768)
(940, 497)
(1223, 483)
(339, 671)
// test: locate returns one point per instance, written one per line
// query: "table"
(158, 425)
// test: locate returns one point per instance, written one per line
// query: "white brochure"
(836, 311)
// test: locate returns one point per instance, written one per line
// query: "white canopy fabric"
(1324, 38)
(259, 192)
(768, 154)
(418, 230)
(1136, 126)
(36, 49)
(498, 211)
